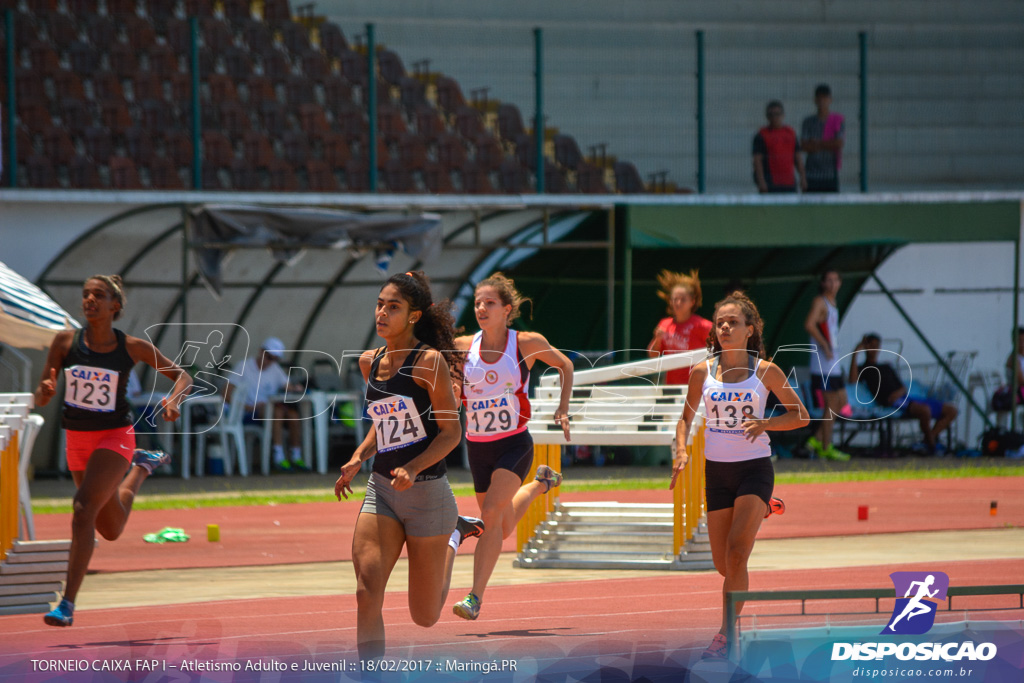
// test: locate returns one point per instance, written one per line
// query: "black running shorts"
(513, 453)
(724, 482)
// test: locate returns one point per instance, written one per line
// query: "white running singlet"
(728, 406)
(495, 393)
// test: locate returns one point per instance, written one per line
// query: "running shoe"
(469, 527)
(61, 615)
(718, 649)
(547, 475)
(298, 466)
(814, 446)
(775, 507)
(468, 607)
(833, 453)
(150, 460)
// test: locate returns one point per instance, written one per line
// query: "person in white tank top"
(739, 479)
(494, 386)
(827, 378)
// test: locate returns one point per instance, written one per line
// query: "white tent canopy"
(29, 319)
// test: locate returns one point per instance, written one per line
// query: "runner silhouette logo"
(914, 613)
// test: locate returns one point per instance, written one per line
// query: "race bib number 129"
(397, 423)
(90, 388)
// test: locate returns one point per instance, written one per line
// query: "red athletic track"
(671, 617)
(318, 532)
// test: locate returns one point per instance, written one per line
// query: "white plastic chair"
(29, 431)
(230, 433)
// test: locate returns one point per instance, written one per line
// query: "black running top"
(96, 386)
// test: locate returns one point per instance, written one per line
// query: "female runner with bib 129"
(416, 424)
(96, 417)
(495, 380)
(739, 479)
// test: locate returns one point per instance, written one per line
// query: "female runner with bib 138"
(416, 424)
(739, 479)
(494, 385)
(96, 417)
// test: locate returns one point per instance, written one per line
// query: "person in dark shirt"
(776, 152)
(821, 137)
(888, 390)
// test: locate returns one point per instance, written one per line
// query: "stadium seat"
(45, 61)
(567, 152)
(83, 58)
(27, 85)
(63, 31)
(276, 12)
(335, 151)
(296, 149)
(207, 62)
(234, 118)
(276, 65)
(25, 146)
(146, 86)
(157, 116)
(82, 173)
(590, 179)
(299, 90)
(429, 124)
(356, 175)
(235, 10)
(414, 93)
(259, 89)
(627, 178)
(99, 144)
(513, 177)
(295, 37)
(123, 174)
(489, 152)
(451, 152)
(123, 60)
(397, 177)
(510, 122)
(82, 8)
(449, 95)
(217, 149)
(68, 84)
(121, 9)
(58, 145)
(163, 175)
(178, 146)
(554, 179)
(526, 150)
(34, 114)
(164, 62)
(74, 114)
(353, 66)
(244, 175)
(179, 35)
(141, 34)
(476, 180)
(257, 36)
(274, 118)
(217, 35)
(41, 173)
(101, 31)
(258, 150)
(319, 177)
(351, 122)
(106, 86)
(180, 90)
(332, 40)
(337, 92)
(282, 177)
(221, 88)
(437, 178)
(390, 123)
(469, 123)
(412, 152)
(212, 178)
(40, 7)
(115, 115)
(237, 63)
(313, 121)
(161, 9)
(198, 8)
(315, 65)
(390, 66)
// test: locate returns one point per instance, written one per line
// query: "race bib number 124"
(397, 423)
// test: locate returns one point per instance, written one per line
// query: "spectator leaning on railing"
(776, 152)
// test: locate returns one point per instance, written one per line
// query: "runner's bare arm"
(54, 360)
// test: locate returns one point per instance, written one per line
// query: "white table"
(322, 402)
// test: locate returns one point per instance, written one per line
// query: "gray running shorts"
(427, 509)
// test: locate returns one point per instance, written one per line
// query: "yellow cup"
(213, 533)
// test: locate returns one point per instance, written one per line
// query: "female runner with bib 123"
(739, 479)
(96, 417)
(416, 424)
(495, 380)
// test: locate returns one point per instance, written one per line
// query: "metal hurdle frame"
(876, 594)
(688, 495)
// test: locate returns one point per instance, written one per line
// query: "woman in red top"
(683, 330)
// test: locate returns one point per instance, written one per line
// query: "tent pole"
(932, 350)
(1016, 318)
(627, 293)
(184, 274)
(611, 278)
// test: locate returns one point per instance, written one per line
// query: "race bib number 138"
(397, 423)
(90, 388)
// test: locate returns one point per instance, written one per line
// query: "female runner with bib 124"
(96, 417)
(416, 423)
(495, 380)
(739, 479)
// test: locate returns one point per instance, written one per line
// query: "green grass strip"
(254, 498)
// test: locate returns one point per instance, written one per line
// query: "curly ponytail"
(436, 327)
(755, 343)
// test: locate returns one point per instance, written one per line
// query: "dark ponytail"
(436, 327)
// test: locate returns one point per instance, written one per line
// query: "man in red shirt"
(683, 330)
(776, 153)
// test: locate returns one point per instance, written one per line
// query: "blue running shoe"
(61, 615)
(468, 607)
(150, 460)
(469, 527)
